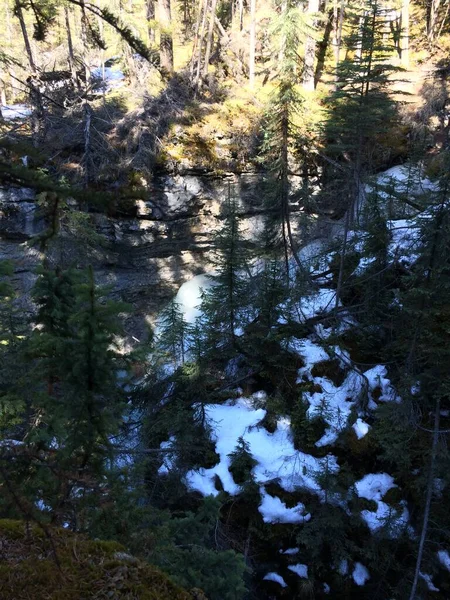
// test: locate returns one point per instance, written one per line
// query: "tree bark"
(241, 15)
(201, 39)
(200, 13)
(71, 57)
(150, 15)
(338, 20)
(209, 39)
(405, 34)
(165, 41)
(310, 50)
(251, 64)
(432, 19)
(19, 14)
(84, 42)
(429, 497)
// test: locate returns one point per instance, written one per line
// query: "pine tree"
(224, 304)
(173, 332)
(280, 130)
(71, 396)
(360, 111)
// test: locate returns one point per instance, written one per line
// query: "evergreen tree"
(225, 303)
(72, 400)
(281, 131)
(173, 332)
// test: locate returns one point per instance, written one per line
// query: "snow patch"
(274, 510)
(374, 486)
(300, 570)
(10, 112)
(377, 379)
(360, 574)
(444, 559)
(274, 453)
(275, 577)
(361, 428)
(430, 585)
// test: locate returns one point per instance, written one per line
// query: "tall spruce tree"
(225, 303)
(361, 110)
(280, 130)
(173, 332)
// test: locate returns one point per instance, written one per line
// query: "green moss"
(82, 568)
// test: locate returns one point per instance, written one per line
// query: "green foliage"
(66, 401)
(56, 564)
(242, 462)
(225, 303)
(173, 332)
(193, 558)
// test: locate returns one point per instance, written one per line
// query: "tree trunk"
(209, 39)
(71, 57)
(251, 64)
(433, 19)
(429, 497)
(405, 34)
(200, 13)
(338, 20)
(310, 50)
(87, 142)
(323, 47)
(84, 42)
(201, 40)
(19, 14)
(165, 40)
(150, 15)
(241, 15)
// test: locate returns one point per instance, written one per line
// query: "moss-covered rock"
(56, 564)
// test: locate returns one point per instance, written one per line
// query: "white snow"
(405, 240)
(444, 559)
(275, 455)
(386, 516)
(112, 78)
(377, 379)
(15, 111)
(274, 510)
(361, 428)
(275, 577)
(429, 582)
(360, 574)
(343, 567)
(300, 570)
(407, 179)
(290, 551)
(374, 486)
(167, 457)
(9, 442)
(321, 301)
(333, 404)
(189, 296)
(311, 353)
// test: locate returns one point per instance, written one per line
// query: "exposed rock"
(147, 257)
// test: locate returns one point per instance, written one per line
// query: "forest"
(224, 237)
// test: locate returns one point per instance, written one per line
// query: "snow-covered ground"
(274, 453)
(12, 112)
(111, 77)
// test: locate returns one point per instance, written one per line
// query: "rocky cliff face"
(144, 258)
